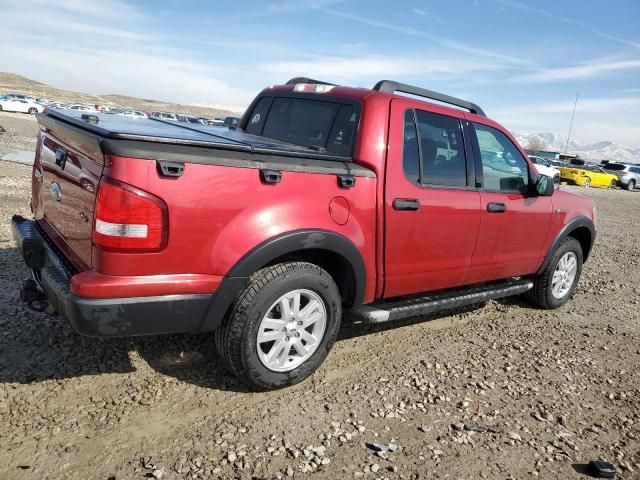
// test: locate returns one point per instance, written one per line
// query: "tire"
(631, 185)
(587, 182)
(32, 111)
(237, 341)
(0, 108)
(612, 184)
(556, 179)
(542, 293)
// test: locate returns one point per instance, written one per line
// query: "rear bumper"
(116, 317)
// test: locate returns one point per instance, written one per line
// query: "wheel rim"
(564, 275)
(292, 330)
(587, 182)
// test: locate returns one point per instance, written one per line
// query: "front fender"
(575, 223)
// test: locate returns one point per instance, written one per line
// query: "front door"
(432, 216)
(514, 222)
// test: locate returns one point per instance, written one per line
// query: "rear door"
(432, 212)
(514, 221)
(69, 183)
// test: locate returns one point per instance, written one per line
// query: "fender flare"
(577, 222)
(276, 247)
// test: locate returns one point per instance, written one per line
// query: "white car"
(82, 108)
(132, 114)
(23, 106)
(545, 168)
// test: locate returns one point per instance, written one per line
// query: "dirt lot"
(18, 132)
(502, 391)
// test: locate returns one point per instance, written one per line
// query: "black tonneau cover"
(209, 145)
(118, 127)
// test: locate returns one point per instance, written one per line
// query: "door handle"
(410, 204)
(496, 207)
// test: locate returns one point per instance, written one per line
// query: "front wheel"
(33, 111)
(282, 326)
(612, 184)
(555, 285)
(587, 182)
(631, 185)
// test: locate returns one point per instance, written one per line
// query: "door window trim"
(468, 156)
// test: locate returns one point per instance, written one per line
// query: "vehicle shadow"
(36, 347)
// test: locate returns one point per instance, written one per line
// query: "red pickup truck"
(324, 202)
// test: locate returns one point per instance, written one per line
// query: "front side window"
(436, 142)
(504, 168)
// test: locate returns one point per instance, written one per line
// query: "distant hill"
(12, 83)
(147, 105)
(595, 152)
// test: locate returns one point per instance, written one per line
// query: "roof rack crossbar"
(390, 86)
(297, 80)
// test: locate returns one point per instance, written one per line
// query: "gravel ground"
(17, 132)
(500, 391)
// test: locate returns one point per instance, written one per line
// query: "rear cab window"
(324, 125)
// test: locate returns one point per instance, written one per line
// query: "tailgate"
(67, 180)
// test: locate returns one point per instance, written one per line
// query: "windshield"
(326, 126)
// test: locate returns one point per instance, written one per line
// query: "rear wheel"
(555, 285)
(587, 182)
(631, 185)
(33, 111)
(282, 326)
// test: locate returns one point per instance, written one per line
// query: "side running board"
(406, 307)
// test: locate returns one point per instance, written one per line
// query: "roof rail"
(296, 80)
(389, 86)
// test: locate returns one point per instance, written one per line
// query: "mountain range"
(595, 152)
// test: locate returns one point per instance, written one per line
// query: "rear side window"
(323, 125)
(615, 166)
(437, 141)
(504, 168)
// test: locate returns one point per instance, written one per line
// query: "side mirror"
(545, 186)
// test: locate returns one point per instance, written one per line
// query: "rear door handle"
(496, 208)
(410, 204)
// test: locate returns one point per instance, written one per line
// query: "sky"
(522, 61)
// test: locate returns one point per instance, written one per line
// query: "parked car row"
(605, 175)
(181, 117)
(18, 102)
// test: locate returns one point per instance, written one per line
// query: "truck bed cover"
(159, 139)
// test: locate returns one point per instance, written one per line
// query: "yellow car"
(588, 176)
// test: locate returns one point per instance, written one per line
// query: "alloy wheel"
(564, 275)
(292, 330)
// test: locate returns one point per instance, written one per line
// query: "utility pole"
(571, 124)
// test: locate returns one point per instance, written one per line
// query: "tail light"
(129, 219)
